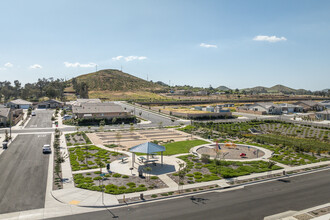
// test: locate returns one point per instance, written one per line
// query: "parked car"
(46, 149)
(33, 114)
(67, 117)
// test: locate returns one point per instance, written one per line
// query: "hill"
(281, 88)
(116, 80)
(223, 88)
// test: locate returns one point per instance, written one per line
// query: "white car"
(33, 114)
(46, 149)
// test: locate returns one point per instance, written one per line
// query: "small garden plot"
(91, 157)
(204, 169)
(77, 138)
(116, 183)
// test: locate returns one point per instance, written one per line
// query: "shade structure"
(147, 148)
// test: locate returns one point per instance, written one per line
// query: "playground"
(232, 151)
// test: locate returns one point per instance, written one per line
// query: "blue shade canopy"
(147, 148)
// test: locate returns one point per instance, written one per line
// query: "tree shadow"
(197, 200)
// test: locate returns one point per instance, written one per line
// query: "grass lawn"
(181, 147)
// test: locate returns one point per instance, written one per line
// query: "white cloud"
(208, 45)
(271, 39)
(117, 58)
(2, 68)
(129, 58)
(8, 64)
(35, 66)
(84, 65)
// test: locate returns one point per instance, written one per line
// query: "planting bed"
(78, 138)
(115, 183)
(204, 169)
(91, 157)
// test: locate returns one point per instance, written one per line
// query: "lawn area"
(181, 147)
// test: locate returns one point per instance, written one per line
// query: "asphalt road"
(153, 117)
(253, 202)
(23, 174)
(41, 120)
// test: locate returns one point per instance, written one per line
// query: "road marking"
(74, 202)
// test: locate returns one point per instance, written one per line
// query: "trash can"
(141, 196)
(284, 173)
(4, 145)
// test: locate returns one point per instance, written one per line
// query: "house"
(4, 116)
(325, 104)
(323, 115)
(229, 105)
(99, 110)
(52, 103)
(79, 102)
(8, 115)
(19, 104)
(290, 108)
(268, 107)
(310, 105)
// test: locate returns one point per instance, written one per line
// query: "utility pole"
(147, 77)
(95, 67)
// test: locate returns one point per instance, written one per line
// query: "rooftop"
(20, 102)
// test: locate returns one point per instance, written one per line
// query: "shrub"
(154, 196)
(154, 177)
(125, 176)
(131, 184)
(116, 175)
(97, 178)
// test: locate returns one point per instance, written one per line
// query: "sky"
(239, 44)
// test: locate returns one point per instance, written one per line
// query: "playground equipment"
(230, 145)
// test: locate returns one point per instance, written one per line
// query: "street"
(41, 120)
(252, 202)
(23, 173)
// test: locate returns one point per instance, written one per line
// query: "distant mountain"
(276, 89)
(257, 89)
(281, 88)
(116, 80)
(223, 88)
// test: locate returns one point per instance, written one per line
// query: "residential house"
(323, 115)
(4, 116)
(310, 105)
(325, 104)
(8, 115)
(268, 107)
(52, 103)
(290, 108)
(19, 104)
(228, 105)
(99, 110)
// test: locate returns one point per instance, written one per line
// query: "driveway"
(23, 174)
(41, 120)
